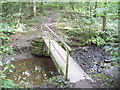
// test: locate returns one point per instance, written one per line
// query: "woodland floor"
(21, 42)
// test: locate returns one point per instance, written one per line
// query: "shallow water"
(32, 71)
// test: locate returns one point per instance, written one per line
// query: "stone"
(107, 61)
(39, 48)
(37, 44)
(40, 40)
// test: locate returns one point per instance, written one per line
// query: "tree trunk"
(104, 18)
(119, 31)
(1, 12)
(61, 6)
(5, 9)
(20, 10)
(95, 9)
(41, 7)
(81, 6)
(90, 8)
(104, 22)
(0, 7)
(118, 16)
(71, 4)
(34, 8)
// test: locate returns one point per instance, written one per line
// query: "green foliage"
(97, 40)
(100, 76)
(5, 31)
(88, 30)
(6, 83)
(100, 11)
(105, 80)
(7, 28)
(1, 64)
(58, 81)
(5, 50)
(83, 28)
(51, 5)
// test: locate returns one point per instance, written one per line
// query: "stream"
(32, 71)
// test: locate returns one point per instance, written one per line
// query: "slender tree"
(81, 6)
(5, 9)
(34, 8)
(41, 7)
(90, 8)
(104, 17)
(72, 6)
(20, 10)
(95, 9)
(61, 6)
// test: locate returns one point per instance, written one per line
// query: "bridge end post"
(41, 30)
(49, 37)
(67, 63)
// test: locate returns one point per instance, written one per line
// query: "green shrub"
(59, 81)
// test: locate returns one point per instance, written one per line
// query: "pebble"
(102, 67)
(8, 74)
(98, 70)
(107, 61)
(83, 63)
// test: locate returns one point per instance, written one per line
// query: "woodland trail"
(25, 38)
(21, 42)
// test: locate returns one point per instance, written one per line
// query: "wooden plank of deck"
(58, 54)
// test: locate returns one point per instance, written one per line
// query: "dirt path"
(21, 42)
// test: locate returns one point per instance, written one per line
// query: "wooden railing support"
(41, 30)
(68, 49)
(67, 63)
(49, 37)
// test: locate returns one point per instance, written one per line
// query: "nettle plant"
(59, 81)
(6, 68)
(6, 29)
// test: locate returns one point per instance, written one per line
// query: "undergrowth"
(80, 29)
(58, 81)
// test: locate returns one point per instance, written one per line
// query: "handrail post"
(67, 63)
(68, 49)
(41, 30)
(49, 36)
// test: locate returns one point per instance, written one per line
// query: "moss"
(37, 51)
(38, 40)
(76, 44)
(100, 76)
(45, 53)
(38, 47)
(37, 44)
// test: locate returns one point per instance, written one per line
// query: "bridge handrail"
(68, 49)
(57, 37)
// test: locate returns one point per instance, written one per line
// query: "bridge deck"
(58, 54)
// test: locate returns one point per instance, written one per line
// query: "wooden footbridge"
(61, 57)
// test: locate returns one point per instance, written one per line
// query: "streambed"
(32, 71)
(98, 64)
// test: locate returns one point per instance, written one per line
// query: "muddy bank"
(97, 63)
